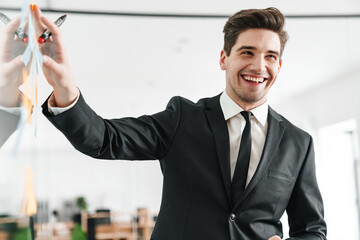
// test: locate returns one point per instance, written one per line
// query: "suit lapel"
(275, 133)
(219, 129)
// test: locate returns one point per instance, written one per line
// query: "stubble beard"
(249, 99)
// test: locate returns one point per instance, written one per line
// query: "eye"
(246, 53)
(272, 56)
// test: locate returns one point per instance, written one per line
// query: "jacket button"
(232, 217)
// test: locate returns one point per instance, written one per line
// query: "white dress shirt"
(51, 106)
(15, 110)
(236, 124)
(53, 109)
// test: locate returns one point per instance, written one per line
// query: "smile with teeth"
(254, 79)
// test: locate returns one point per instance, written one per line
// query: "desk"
(9, 226)
(4, 235)
(116, 231)
(54, 231)
(123, 226)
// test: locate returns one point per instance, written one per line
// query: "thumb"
(50, 65)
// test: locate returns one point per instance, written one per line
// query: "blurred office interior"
(130, 57)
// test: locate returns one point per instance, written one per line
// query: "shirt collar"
(230, 109)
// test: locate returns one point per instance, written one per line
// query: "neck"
(246, 106)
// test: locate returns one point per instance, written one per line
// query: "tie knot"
(246, 115)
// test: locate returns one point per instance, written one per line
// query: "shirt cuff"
(54, 110)
(14, 110)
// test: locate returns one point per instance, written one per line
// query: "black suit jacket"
(192, 144)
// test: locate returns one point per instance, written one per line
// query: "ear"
(223, 60)
(280, 63)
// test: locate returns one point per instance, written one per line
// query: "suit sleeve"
(146, 137)
(305, 209)
(8, 124)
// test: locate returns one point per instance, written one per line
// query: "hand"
(56, 65)
(275, 238)
(11, 65)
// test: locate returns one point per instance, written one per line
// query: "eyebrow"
(254, 48)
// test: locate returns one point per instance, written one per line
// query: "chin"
(252, 99)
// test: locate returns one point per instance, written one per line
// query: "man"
(212, 190)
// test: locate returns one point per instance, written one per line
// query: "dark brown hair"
(269, 18)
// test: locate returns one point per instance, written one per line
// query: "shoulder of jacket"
(188, 103)
(293, 129)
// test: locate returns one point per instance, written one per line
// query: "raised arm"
(56, 65)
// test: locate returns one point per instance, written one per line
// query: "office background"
(132, 65)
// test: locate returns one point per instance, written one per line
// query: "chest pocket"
(281, 176)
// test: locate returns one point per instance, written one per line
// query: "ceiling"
(226, 7)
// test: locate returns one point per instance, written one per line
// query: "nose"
(258, 65)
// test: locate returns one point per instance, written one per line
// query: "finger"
(50, 65)
(15, 64)
(10, 28)
(55, 31)
(50, 39)
(36, 11)
(39, 26)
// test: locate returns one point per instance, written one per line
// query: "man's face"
(252, 67)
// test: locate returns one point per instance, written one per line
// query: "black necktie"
(242, 163)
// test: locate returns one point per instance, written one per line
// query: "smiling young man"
(231, 165)
(252, 66)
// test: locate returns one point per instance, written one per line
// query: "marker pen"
(20, 33)
(45, 36)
